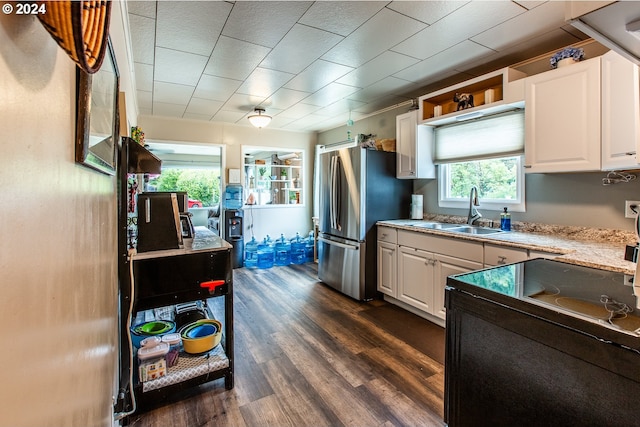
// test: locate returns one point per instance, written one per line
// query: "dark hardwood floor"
(305, 355)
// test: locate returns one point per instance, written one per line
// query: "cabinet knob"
(502, 259)
(527, 166)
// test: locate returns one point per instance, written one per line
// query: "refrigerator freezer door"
(341, 191)
(341, 265)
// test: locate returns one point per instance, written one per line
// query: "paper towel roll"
(416, 206)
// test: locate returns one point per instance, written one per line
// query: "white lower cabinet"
(446, 266)
(424, 262)
(415, 278)
(413, 267)
(387, 268)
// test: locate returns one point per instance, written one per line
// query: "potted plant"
(262, 171)
(283, 174)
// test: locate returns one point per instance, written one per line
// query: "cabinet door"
(620, 112)
(562, 119)
(406, 145)
(387, 262)
(446, 266)
(415, 278)
(414, 148)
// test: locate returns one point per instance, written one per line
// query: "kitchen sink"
(470, 229)
(436, 225)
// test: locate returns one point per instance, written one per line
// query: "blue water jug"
(282, 251)
(233, 196)
(251, 253)
(265, 254)
(298, 250)
(309, 247)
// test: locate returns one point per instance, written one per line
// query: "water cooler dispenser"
(234, 235)
(233, 231)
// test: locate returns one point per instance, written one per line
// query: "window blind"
(499, 135)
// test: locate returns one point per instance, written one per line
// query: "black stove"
(593, 295)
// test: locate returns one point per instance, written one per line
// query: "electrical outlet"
(631, 208)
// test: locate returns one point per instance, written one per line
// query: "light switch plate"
(234, 176)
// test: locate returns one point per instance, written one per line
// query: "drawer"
(541, 254)
(458, 248)
(498, 255)
(387, 234)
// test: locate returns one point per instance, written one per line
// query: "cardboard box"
(152, 369)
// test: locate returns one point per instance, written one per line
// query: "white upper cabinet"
(562, 119)
(414, 148)
(620, 113)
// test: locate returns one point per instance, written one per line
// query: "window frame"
(516, 205)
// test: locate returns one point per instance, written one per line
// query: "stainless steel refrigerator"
(358, 187)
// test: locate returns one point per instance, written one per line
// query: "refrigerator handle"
(332, 192)
(336, 193)
(334, 197)
(338, 244)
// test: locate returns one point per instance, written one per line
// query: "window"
(500, 183)
(487, 154)
(195, 169)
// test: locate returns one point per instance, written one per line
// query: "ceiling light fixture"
(259, 120)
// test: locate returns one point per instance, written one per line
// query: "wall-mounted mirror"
(97, 129)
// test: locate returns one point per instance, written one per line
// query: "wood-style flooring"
(306, 356)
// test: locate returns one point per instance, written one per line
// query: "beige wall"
(58, 249)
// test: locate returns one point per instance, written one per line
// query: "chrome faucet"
(473, 202)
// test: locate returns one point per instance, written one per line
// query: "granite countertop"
(590, 247)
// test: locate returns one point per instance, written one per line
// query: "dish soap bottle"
(505, 220)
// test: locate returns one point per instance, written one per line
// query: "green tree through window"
(494, 178)
(200, 184)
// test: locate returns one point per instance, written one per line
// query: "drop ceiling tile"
(203, 106)
(426, 11)
(317, 75)
(142, 8)
(546, 17)
(370, 40)
(455, 57)
(194, 116)
(344, 106)
(216, 88)
(340, 17)
(263, 82)
(383, 87)
(228, 116)
(377, 69)
(242, 103)
(465, 22)
(235, 59)
(168, 110)
(145, 99)
(174, 66)
(263, 22)
(531, 4)
(144, 76)
(329, 94)
(190, 26)
(172, 93)
(381, 103)
(299, 48)
(143, 31)
(284, 98)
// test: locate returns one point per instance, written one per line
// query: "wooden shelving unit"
(505, 93)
